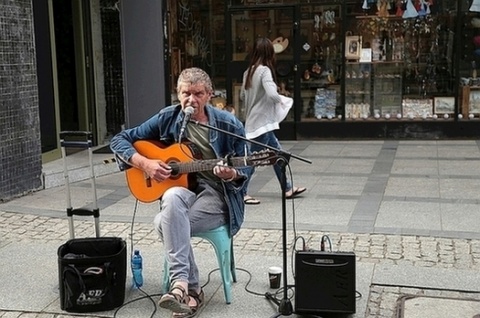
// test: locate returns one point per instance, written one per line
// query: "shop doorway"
(72, 31)
(65, 71)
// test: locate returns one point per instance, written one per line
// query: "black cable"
(146, 295)
(255, 293)
(138, 299)
(295, 251)
(246, 285)
(322, 243)
(132, 226)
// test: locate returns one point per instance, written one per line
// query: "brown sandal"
(199, 299)
(175, 302)
(294, 192)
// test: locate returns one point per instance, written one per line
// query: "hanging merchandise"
(410, 12)
(383, 8)
(423, 8)
(427, 6)
(316, 70)
(399, 6)
(475, 7)
(316, 20)
(280, 44)
(365, 5)
(306, 75)
(329, 18)
(476, 41)
(191, 48)
(475, 21)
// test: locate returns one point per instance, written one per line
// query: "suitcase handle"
(79, 139)
(70, 133)
(83, 212)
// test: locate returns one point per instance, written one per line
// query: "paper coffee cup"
(275, 275)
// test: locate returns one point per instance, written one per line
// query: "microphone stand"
(285, 307)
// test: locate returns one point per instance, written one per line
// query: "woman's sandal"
(199, 299)
(175, 302)
(295, 192)
(250, 200)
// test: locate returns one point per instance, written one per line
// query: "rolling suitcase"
(92, 271)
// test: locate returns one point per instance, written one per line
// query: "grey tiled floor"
(408, 209)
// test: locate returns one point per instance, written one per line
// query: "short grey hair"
(195, 75)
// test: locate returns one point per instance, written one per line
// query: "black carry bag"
(92, 271)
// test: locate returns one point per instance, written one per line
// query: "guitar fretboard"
(204, 165)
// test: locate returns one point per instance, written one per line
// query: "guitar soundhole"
(175, 169)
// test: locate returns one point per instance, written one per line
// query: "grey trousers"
(182, 214)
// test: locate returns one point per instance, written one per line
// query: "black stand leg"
(284, 305)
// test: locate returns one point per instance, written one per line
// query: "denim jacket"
(165, 127)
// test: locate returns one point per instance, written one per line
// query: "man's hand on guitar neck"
(155, 169)
(225, 172)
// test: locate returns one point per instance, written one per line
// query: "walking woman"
(260, 95)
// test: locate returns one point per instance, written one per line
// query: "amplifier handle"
(324, 264)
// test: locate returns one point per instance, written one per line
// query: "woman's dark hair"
(262, 54)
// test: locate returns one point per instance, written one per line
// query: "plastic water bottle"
(137, 269)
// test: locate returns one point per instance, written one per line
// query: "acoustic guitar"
(184, 159)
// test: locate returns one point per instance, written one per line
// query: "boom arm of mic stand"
(283, 153)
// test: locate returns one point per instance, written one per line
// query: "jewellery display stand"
(285, 307)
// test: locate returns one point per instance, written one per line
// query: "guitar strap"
(196, 153)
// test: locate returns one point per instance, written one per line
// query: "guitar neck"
(205, 165)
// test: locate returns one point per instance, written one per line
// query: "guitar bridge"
(148, 181)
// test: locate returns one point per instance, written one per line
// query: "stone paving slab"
(440, 307)
(427, 277)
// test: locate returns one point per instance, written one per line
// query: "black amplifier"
(324, 282)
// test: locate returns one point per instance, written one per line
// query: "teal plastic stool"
(223, 245)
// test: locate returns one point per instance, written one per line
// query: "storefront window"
(340, 60)
(402, 65)
(469, 86)
(196, 37)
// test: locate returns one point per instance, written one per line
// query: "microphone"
(188, 113)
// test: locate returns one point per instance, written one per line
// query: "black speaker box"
(324, 282)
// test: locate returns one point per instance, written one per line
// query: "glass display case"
(320, 62)
(469, 85)
(387, 89)
(358, 90)
(399, 60)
